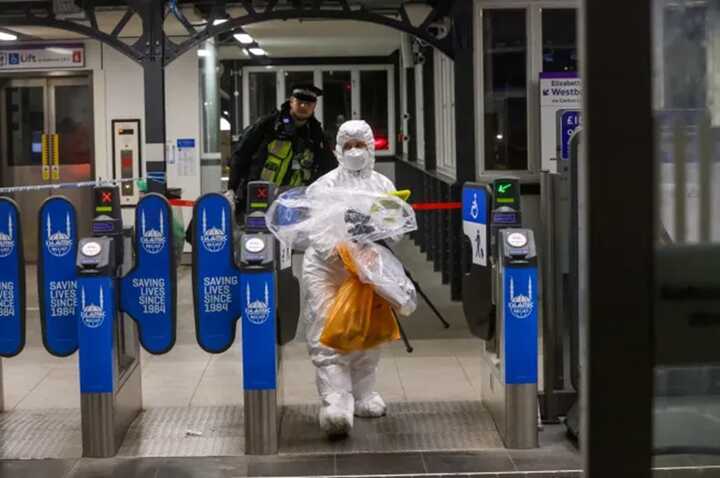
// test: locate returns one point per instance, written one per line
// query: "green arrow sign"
(503, 188)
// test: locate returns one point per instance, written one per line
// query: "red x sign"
(106, 197)
(262, 193)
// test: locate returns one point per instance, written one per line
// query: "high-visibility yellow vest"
(280, 158)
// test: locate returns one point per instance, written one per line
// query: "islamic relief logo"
(59, 243)
(152, 240)
(521, 306)
(7, 240)
(258, 312)
(92, 315)
(213, 239)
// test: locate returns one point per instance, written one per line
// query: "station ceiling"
(289, 38)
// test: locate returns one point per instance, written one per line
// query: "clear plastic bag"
(327, 218)
(377, 265)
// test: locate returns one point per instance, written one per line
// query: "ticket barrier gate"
(226, 290)
(91, 288)
(502, 306)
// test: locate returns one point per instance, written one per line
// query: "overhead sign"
(35, 57)
(259, 331)
(217, 288)
(475, 216)
(558, 91)
(57, 280)
(95, 323)
(12, 280)
(148, 291)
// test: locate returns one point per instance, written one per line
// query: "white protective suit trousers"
(345, 382)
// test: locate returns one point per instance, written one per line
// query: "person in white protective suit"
(345, 381)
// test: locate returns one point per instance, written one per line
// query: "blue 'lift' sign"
(148, 291)
(216, 279)
(58, 295)
(12, 280)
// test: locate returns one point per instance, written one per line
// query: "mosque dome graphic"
(258, 311)
(521, 306)
(92, 315)
(7, 239)
(59, 243)
(214, 238)
(152, 240)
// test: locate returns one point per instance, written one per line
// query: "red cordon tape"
(422, 206)
(181, 202)
(435, 206)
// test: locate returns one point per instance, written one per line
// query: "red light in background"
(348, 86)
(381, 142)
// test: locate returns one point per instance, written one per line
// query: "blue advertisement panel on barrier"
(148, 292)
(12, 280)
(216, 279)
(97, 309)
(475, 219)
(521, 312)
(57, 281)
(259, 336)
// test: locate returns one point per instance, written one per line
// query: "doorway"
(32, 110)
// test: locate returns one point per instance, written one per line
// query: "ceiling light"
(258, 51)
(244, 38)
(219, 21)
(202, 53)
(6, 36)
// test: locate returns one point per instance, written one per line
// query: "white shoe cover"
(336, 416)
(371, 406)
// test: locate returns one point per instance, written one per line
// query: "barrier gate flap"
(98, 306)
(12, 280)
(475, 219)
(57, 279)
(216, 279)
(148, 292)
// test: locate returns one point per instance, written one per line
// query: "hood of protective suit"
(350, 160)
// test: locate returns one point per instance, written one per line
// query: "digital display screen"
(102, 227)
(255, 222)
(505, 218)
(37, 147)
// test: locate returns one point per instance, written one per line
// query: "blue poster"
(149, 291)
(57, 284)
(259, 332)
(475, 218)
(520, 327)
(97, 310)
(216, 279)
(12, 280)
(569, 122)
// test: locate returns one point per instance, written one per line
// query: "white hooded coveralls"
(345, 381)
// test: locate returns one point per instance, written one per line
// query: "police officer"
(287, 147)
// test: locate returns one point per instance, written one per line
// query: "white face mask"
(356, 159)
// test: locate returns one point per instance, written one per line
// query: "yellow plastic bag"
(358, 319)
